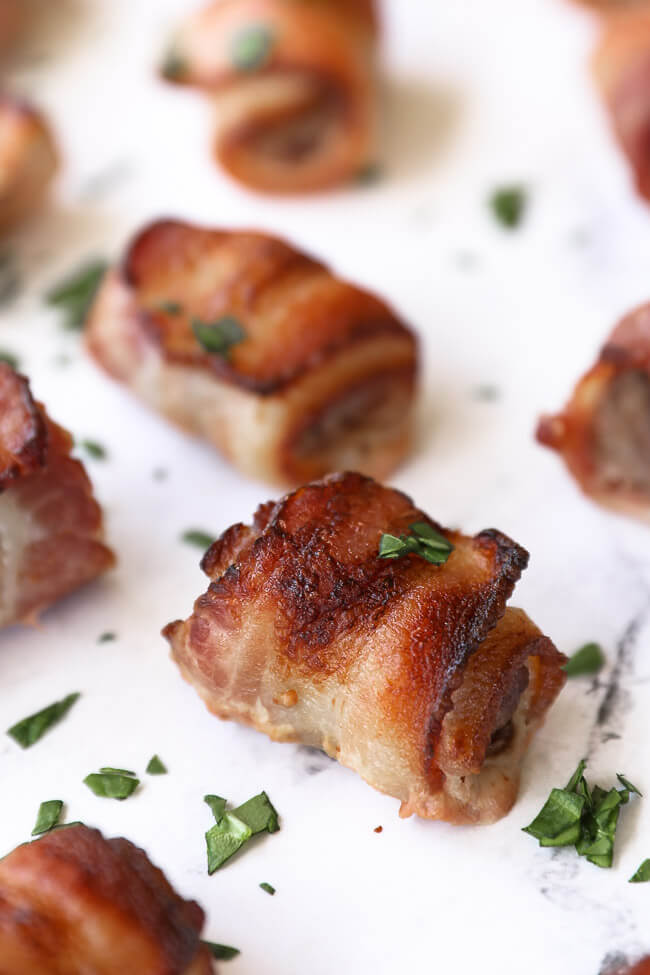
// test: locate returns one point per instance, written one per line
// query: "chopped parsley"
(174, 65)
(28, 731)
(109, 770)
(583, 817)
(369, 175)
(94, 449)
(425, 542)
(486, 393)
(107, 637)
(76, 293)
(268, 888)
(170, 307)
(201, 539)
(111, 783)
(9, 359)
(220, 336)
(156, 767)
(586, 661)
(508, 204)
(234, 828)
(251, 47)
(642, 876)
(48, 816)
(221, 952)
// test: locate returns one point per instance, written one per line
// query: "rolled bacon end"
(28, 160)
(323, 374)
(293, 86)
(51, 527)
(74, 901)
(416, 676)
(603, 434)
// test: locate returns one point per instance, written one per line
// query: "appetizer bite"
(293, 85)
(11, 18)
(28, 160)
(240, 338)
(346, 619)
(75, 903)
(603, 434)
(50, 525)
(622, 70)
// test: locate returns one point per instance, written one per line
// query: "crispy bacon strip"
(74, 903)
(323, 379)
(622, 69)
(293, 85)
(415, 676)
(603, 434)
(28, 160)
(50, 525)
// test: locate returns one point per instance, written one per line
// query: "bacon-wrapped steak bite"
(622, 70)
(293, 85)
(75, 903)
(314, 374)
(416, 676)
(50, 525)
(28, 160)
(603, 434)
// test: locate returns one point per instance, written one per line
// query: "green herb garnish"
(174, 65)
(642, 876)
(109, 770)
(94, 449)
(48, 816)
(218, 337)
(221, 952)
(425, 542)
(369, 175)
(583, 817)
(194, 536)
(251, 48)
(508, 205)
(156, 767)
(107, 637)
(233, 829)
(9, 359)
(268, 888)
(76, 293)
(112, 784)
(586, 661)
(224, 839)
(28, 731)
(170, 307)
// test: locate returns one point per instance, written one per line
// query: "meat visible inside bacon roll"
(603, 434)
(314, 374)
(622, 70)
(50, 525)
(414, 675)
(74, 903)
(293, 86)
(28, 160)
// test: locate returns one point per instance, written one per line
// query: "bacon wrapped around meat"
(603, 434)
(293, 85)
(320, 375)
(416, 676)
(50, 525)
(74, 903)
(622, 70)
(28, 160)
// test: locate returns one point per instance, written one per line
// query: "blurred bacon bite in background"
(413, 674)
(28, 160)
(603, 434)
(293, 85)
(242, 339)
(51, 531)
(75, 903)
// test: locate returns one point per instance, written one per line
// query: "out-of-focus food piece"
(242, 339)
(50, 524)
(75, 903)
(28, 160)
(622, 69)
(293, 84)
(11, 19)
(603, 434)
(414, 675)
(642, 967)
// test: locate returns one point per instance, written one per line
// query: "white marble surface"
(477, 94)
